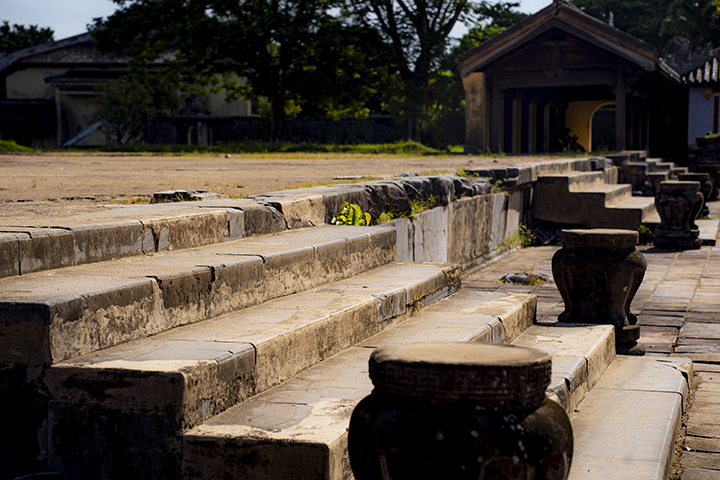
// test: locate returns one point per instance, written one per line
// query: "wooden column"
(646, 111)
(476, 110)
(620, 108)
(58, 118)
(517, 107)
(495, 120)
(532, 127)
(631, 124)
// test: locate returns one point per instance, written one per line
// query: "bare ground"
(60, 184)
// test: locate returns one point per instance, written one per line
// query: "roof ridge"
(9, 60)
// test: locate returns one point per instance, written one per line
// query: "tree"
(286, 50)
(640, 18)
(129, 103)
(495, 18)
(17, 37)
(417, 35)
(697, 22)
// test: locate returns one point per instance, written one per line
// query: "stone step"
(299, 429)
(170, 382)
(626, 427)
(663, 166)
(581, 353)
(36, 244)
(47, 317)
(597, 206)
(47, 243)
(631, 213)
(576, 181)
(678, 171)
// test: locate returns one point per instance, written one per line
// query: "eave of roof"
(567, 17)
(76, 51)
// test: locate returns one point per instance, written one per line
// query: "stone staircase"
(645, 174)
(213, 342)
(584, 199)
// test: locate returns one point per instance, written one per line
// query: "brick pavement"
(679, 312)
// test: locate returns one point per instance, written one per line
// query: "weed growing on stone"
(415, 305)
(130, 200)
(351, 214)
(527, 237)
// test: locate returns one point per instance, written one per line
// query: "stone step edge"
(182, 397)
(575, 373)
(334, 459)
(200, 388)
(322, 448)
(626, 428)
(130, 231)
(89, 318)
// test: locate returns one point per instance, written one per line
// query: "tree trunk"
(413, 132)
(277, 119)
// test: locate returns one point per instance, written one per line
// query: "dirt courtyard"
(61, 184)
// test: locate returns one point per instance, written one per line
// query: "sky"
(70, 17)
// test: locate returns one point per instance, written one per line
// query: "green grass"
(399, 148)
(10, 146)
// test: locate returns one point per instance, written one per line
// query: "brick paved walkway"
(679, 312)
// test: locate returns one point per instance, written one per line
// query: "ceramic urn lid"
(600, 238)
(487, 375)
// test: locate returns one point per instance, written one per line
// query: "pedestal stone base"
(598, 273)
(626, 340)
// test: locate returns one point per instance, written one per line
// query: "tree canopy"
(417, 34)
(17, 37)
(661, 22)
(292, 52)
(128, 104)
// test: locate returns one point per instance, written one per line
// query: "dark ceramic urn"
(459, 411)
(678, 204)
(598, 272)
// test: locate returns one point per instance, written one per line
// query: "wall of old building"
(578, 118)
(703, 117)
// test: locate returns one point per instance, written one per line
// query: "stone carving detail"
(678, 204)
(707, 161)
(462, 411)
(598, 273)
(706, 187)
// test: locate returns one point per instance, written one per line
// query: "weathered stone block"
(10, 253)
(46, 248)
(96, 243)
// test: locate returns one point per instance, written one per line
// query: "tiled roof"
(78, 50)
(706, 73)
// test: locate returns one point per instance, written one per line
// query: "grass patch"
(11, 146)
(416, 206)
(130, 200)
(398, 148)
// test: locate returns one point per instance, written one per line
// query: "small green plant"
(498, 184)
(643, 229)
(351, 214)
(422, 205)
(415, 305)
(523, 236)
(386, 217)
(527, 237)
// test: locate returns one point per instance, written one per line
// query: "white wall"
(700, 113)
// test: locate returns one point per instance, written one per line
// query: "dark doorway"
(603, 129)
